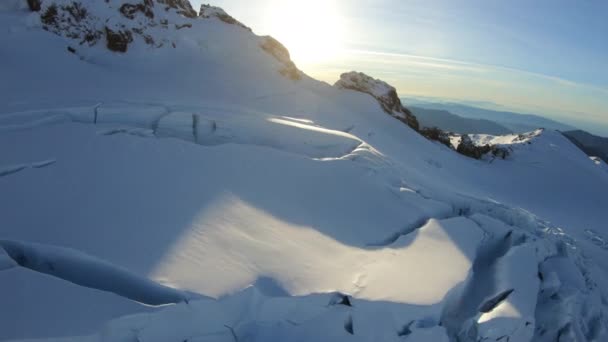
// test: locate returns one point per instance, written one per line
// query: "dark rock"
(34, 5)
(384, 93)
(76, 11)
(436, 134)
(118, 40)
(469, 149)
(410, 119)
(179, 27)
(130, 10)
(340, 299)
(183, 7)
(71, 49)
(49, 17)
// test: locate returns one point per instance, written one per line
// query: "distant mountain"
(516, 122)
(592, 145)
(455, 123)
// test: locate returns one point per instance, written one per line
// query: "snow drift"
(159, 156)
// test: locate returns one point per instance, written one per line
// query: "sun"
(312, 30)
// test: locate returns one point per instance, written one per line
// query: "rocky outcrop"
(436, 134)
(387, 97)
(118, 41)
(182, 7)
(34, 5)
(384, 93)
(130, 10)
(71, 20)
(468, 148)
(208, 11)
(117, 22)
(281, 54)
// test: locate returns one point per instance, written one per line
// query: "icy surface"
(255, 206)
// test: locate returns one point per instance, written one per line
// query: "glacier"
(205, 189)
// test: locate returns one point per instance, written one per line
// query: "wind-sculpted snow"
(217, 231)
(10, 169)
(90, 272)
(201, 126)
(211, 167)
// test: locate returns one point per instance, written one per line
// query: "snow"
(38, 305)
(600, 163)
(508, 139)
(376, 88)
(13, 5)
(87, 271)
(138, 116)
(513, 316)
(281, 209)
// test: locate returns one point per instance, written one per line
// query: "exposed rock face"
(436, 134)
(381, 91)
(118, 22)
(281, 54)
(208, 11)
(71, 20)
(468, 148)
(118, 41)
(130, 10)
(387, 97)
(34, 5)
(183, 7)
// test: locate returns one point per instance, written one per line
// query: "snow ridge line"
(87, 271)
(479, 294)
(162, 121)
(408, 230)
(11, 169)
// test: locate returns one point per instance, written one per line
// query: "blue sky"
(539, 56)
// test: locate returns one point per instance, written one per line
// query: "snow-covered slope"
(213, 192)
(593, 145)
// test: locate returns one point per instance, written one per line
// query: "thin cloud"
(451, 64)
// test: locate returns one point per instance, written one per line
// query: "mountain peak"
(383, 92)
(208, 11)
(121, 22)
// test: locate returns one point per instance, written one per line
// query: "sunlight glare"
(312, 30)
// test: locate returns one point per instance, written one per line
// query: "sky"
(546, 57)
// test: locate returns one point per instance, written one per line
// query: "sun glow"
(312, 30)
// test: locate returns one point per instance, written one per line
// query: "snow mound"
(88, 271)
(261, 317)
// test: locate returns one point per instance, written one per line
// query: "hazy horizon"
(546, 57)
